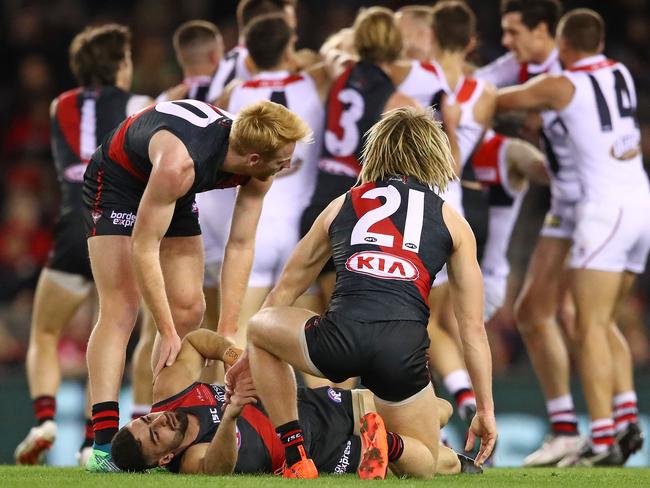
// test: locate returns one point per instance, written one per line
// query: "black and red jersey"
(203, 129)
(355, 103)
(388, 242)
(260, 449)
(80, 120)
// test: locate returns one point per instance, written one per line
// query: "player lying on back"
(189, 431)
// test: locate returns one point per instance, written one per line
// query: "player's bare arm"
(319, 73)
(239, 253)
(306, 261)
(486, 106)
(197, 346)
(544, 92)
(171, 177)
(466, 285)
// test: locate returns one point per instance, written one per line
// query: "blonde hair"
(423, 13)
(409, 142)
(377, 38)
(265, 127)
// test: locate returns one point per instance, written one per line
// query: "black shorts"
(327, 419)
(70, 251)
(476, 206)
(390, 357)
(328, 188)
(111, 199)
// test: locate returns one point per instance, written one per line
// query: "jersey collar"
(535, 69)
(592, 63)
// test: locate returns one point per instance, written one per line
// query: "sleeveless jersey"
(506, 71)
(203, 128)
(231, 67)
(355, 103)
(291, 188)
(81, 119)
(423, 84)
(259, 448)
(490, 168)
(388, 242)
(601, 120)
(197, 89)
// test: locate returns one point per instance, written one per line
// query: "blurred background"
(34, 39)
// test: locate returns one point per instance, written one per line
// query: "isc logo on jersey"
(382, 265)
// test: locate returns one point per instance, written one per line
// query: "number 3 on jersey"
(346, 145)
(393, 200)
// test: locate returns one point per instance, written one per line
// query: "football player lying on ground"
(190, 431)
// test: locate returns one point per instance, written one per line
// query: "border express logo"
(123, 219)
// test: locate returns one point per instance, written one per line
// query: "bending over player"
(189, 432)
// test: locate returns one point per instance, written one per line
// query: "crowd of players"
(365, 258)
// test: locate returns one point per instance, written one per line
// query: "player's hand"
(239, 370)
(484, 427)
(243, 394)
(170, 345)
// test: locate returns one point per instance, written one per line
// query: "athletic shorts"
(327, 418)
(494, 289)
(328, 188)
(277, 235)
(215, 215)
(560, 220)
(111, 198)
(70, 251)
(611, 237)
(477, 213)
(390, 357)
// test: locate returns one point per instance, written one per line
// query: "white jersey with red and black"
(278, 230)
(506, 71)
(232, 67)
(197, 89)
(423, 84)
(388, 242)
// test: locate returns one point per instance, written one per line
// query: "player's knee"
(445, 410)
(255, 331)
(189, 316)
(526, 315)
(120, 313)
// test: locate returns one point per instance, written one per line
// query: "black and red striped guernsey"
(354, 104)
(389, 241)
(203, 129)
(80, 120)
(259, 449)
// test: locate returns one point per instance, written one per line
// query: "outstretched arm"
(466, 286)
(240, 248)
(544, 92)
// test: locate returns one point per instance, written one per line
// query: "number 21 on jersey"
(412, 227)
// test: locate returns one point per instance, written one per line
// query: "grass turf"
(45, 477)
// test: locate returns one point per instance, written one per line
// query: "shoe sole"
(374, 448)
(31, 455)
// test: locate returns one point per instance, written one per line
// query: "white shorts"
(611, 237)
(215, 214)
(494, 290)
(560, 220)
(275, 240)
(441, 278)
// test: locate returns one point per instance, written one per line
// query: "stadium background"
(34, 37)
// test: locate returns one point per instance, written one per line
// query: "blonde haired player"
(375, 326)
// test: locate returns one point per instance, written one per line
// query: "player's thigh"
(111, 262)
(595, 294)
(418, 417)
(281, 331)
(58, 296)
(544, 275)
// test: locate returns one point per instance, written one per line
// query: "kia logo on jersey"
(382, 265)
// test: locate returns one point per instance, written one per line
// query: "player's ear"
(254, 159)
(166, 459)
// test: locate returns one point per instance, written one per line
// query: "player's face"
(524, 43)
(159, 433)
(279, 162)
(416, 38)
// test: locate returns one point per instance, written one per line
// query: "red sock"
(44, 408)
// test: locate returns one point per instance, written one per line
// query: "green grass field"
(44, 477)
